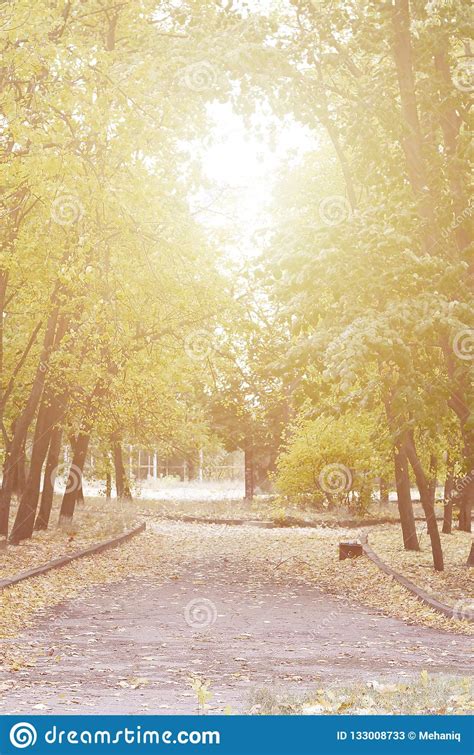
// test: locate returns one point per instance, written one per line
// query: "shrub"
(334, 460)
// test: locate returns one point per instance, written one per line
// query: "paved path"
(131, 647)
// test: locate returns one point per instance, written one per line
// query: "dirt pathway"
(131, 647)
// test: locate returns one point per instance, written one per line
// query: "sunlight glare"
(243, 166)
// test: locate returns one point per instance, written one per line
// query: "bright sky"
(243, 169)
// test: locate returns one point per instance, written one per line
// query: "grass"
(428, 694)
(93, 522)
(452, 585)
(266, 508)
(260, 508)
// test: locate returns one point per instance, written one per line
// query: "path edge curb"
(65, 560)
(291, 523)
(421, 594)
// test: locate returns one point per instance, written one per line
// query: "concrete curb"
(187, 519)
(421, 594)
(65, 560)
(287, 524)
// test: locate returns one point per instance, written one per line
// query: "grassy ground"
(262, 508)
(438, 695)
(94, 521)
(454, 584)
(208, 509)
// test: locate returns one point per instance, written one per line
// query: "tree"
(88, 153)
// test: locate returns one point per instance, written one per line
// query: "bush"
(333, 460)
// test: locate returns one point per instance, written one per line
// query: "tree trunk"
(470, 558)
(108, 486)
(405, 505)
(13, 458)
(49, 414)
(448, 503)
(121, 483)
(108, 476)
(80, 448)
(50, 472)
(14, 454)
(19, 472)
(74, 482)
(249, 472)
(384, 492)
(425, 487)
(432, 481)
(25, 516)
(465, 507)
